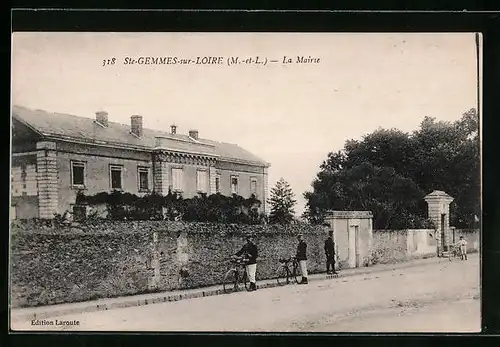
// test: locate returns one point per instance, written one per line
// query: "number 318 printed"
(109, 62)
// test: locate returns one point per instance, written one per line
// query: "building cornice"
(174, 156)
(244, 161)
(181, 152)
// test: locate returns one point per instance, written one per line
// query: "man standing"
(302, 258)
(463, 248)
(249, 251)
(330, 252)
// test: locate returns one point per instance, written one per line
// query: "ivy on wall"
(215, 208)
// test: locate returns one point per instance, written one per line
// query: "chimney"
(101, 117)
(193, 134)
(136, 125)
(173, 129)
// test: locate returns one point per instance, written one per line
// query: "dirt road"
(439, 297)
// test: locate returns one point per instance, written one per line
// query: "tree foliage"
(282, 203)
(389, 172)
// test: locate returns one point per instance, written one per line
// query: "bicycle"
(284, 275)
(454, 252)
(233, 277)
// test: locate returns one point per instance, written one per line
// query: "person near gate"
(463, 248)
(250, 252)
(330, 252)
(302, 257)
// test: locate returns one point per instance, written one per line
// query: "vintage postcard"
(245, 182)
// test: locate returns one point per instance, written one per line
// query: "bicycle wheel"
(295, 272)
(282, 275)
(230, 282)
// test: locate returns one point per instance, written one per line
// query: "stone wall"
(82, 262)
(390, 246)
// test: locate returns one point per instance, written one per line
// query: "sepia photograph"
(245, 182)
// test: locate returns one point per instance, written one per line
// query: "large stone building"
(56, 155)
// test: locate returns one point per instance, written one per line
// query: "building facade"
(56, 155)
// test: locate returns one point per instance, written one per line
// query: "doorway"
(353, 246)
(443, 235)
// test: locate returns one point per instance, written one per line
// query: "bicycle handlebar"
(287, 260)
(238, 260)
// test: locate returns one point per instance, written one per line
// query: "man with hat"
(249, 251)
(330, 251)
(302, 257)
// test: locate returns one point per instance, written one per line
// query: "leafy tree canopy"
(389, 172)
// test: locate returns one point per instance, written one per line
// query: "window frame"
(115, 167)
(142, 169)
(237, 184)
(181, 183)
(82, 164)
(253, 180)
(13, 208)
(217, 183)
(205, 181)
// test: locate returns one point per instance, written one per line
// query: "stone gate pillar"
(438, 203)
(353, 236)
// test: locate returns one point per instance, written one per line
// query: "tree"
(282, 202)
(389, 172)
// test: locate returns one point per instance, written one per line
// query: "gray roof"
(70, 127)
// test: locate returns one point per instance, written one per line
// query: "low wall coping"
(349, 214)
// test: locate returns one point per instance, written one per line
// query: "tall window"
(234, 185)
(115, 176)
(253, 186)
(143, 176)
(177, 179)
(77, 174)
(201, 181)
(217, 184)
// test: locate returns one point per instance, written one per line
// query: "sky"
(290, 115)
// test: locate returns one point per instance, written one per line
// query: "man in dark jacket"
(302, 258)
(330, 252)
(249, 251)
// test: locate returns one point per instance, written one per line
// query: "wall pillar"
(155, 279)
(212, 175)
(438, 203)
(265, 207)
(47, 177)
(160, 175)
